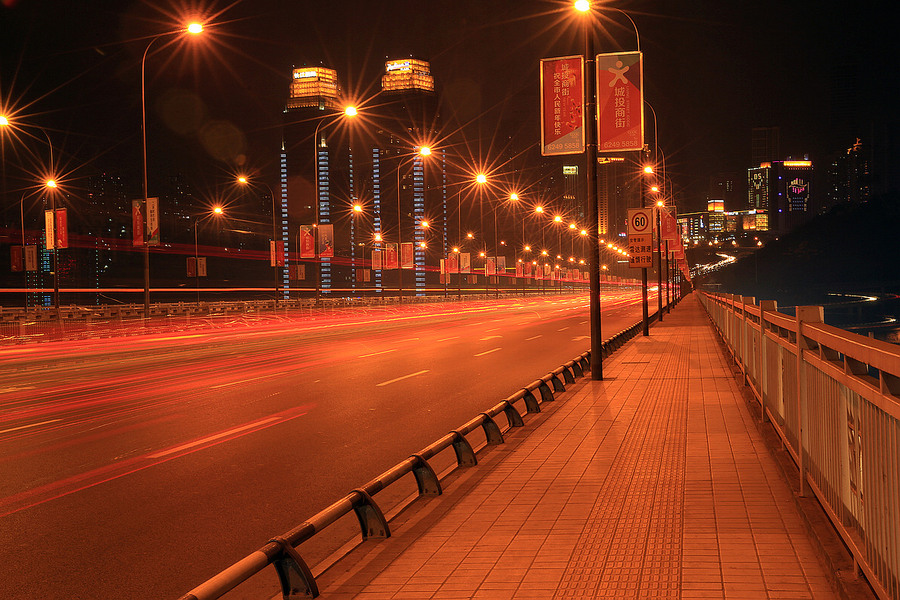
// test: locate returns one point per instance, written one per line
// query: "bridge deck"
(654, 483)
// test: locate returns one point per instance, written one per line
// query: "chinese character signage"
(490, 265)
(406, 255)
(562, 105)
(620, 102)
(201, 266)
(376, 260)
(137, 222)
(276, 253)
(326, 241)
(307, 242)
(49, 230)
(465, 262)
(153, 221)
(15, 258)
(62, 228)
(390, 256)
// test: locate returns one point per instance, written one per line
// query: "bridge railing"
(834, 399)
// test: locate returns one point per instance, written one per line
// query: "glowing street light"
(244, 180)
(193, 29)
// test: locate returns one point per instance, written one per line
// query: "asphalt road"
(137, 467)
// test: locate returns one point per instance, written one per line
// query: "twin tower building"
(358, 184)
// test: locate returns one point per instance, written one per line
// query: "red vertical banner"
(490, 265)
(307, 242)
(377, 260)
(501, 265)
(406, 255)
(137, 222)
(201, 266)
(519, 269)
(191, 266)
(390, 256)
(326, 241)
(452, 263)
(276, 253)
(526, 270)
(620, 102)
(15, 258)
(562, 105)
(62, 228)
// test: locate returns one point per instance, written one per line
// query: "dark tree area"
(851, 248)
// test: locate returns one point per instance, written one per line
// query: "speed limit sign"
(640, 221)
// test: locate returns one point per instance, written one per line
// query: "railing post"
(764, 306)
(804, 314)
(746, 337)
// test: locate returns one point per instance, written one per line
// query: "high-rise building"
(329, 164)
(849, 176)
(411, 200)
(306, 167)
(781, 190)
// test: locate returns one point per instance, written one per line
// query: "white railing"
(834, 399)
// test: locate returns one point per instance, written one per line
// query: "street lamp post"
(50, 183)
(591, 212)
(243, 180)
(197, 220)
(193, 29)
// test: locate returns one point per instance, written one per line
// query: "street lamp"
(193, 29)
(421, 153)
(216, 211)
(349, 111)
(245, 181)
(590, 139)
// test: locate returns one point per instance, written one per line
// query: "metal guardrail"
(294, 574)
(833, 397)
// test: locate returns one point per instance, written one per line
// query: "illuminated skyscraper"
(306, 165)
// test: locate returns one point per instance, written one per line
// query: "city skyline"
(77, 77)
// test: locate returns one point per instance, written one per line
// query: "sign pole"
(659, 266)
(645, 330)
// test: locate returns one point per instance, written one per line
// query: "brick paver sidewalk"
(651, 484)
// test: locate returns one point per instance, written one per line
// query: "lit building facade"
(782, 191)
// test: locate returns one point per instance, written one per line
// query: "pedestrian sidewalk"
(653, 483)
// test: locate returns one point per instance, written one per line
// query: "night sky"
(821, 71)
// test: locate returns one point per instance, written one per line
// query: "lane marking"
(581, 337)
(29, 426)
(488, 351)
(411, 340)
(212, 437)
(212, 387)
(563, 329)
(389, 382)
(376, 353)
(583, 323)
(534, 337)
(490, 337)
(455, 337)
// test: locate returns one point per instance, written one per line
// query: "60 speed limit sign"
(640, 220)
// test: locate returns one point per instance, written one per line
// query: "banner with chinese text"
(406, 255)
(326, 241)
(307, 242)
(562, 105)
(620, 102)
(137, 222)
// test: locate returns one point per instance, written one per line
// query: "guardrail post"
(426, 479)
(567, 375)
(296, 578)
(531, 403)
(465, 455)
(576, 369)
(371, 520)
(557, 383)
(764, 306)
(804, 314)
(546, 392)
(746, 337)
(512, 415)
(491, 430)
